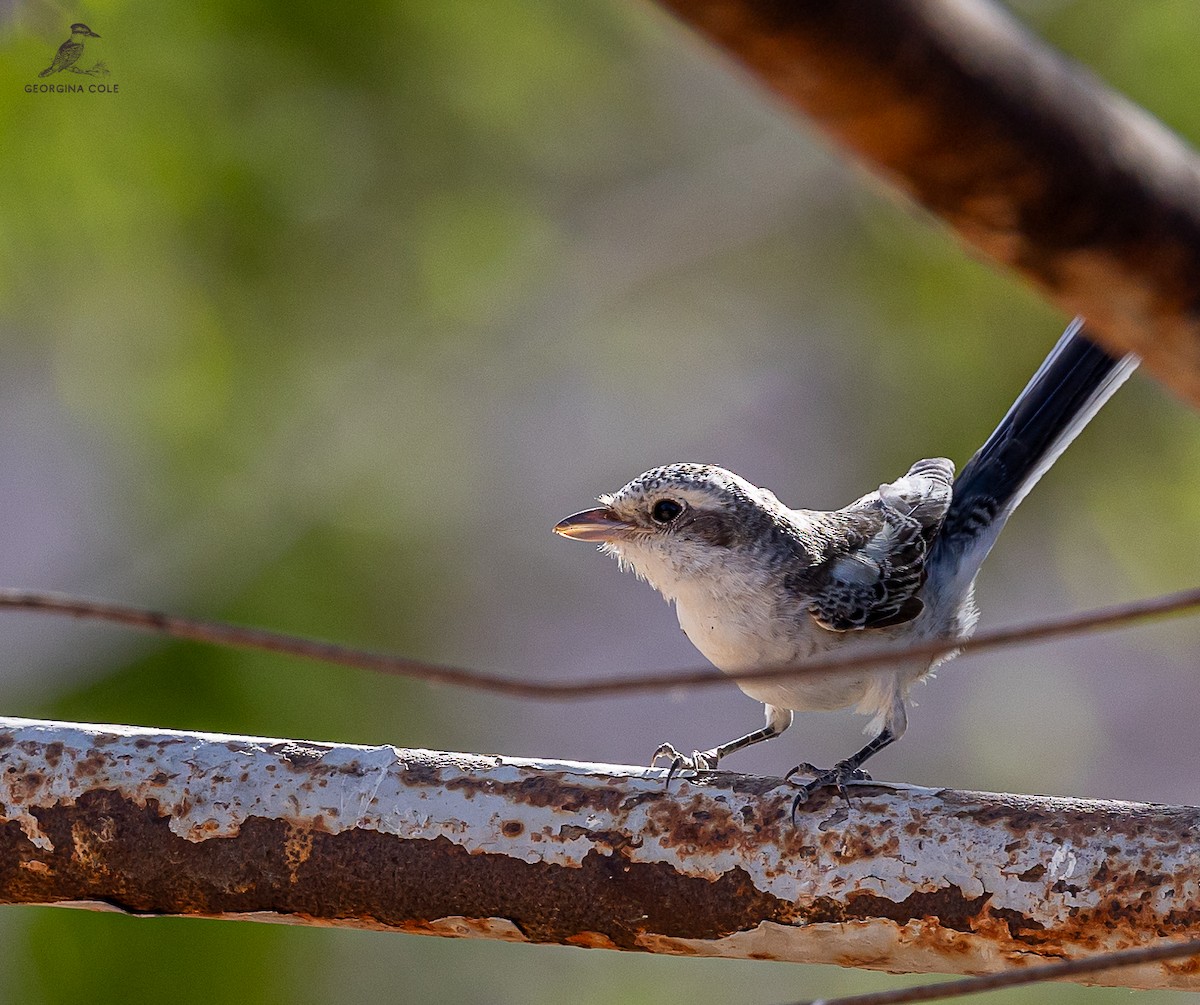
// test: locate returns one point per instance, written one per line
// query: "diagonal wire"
(1013, 978)
(263, 640)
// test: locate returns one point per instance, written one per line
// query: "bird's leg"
(850, 770)
(778, 719)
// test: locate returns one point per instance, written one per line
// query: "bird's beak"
(592, 525)
(92, 33)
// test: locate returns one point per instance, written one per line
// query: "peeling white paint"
(1063, 863)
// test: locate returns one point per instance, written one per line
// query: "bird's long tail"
(1069, 388)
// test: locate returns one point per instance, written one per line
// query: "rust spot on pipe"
(1183, 968)
(297, 850)
(550, 788)
(297, 754)
(591, 940)
(419, 775)
(1019, 927)
(107, 848)
(949, 906)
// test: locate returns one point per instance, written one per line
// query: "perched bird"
(756, 583)
(69, 52)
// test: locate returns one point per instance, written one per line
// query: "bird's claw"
(837, 776)
(699, 760)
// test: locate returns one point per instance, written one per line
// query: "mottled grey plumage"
(756, 583)
(869, 558)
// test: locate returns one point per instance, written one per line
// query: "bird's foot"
(699, 760)
(837, 776)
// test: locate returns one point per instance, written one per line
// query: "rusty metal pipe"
(152, 821)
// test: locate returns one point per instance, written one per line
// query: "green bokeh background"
(325, 317)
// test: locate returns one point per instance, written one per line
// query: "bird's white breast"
(735, 632)
(731, 614)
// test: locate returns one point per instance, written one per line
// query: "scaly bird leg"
(849, 770)
(778, 719)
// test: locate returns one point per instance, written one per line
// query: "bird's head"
(681, 525)
(82, 29)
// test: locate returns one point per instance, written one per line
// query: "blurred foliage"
(326, 315)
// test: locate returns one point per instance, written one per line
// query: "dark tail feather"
(1069, 388)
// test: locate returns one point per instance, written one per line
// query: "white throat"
(724, 606)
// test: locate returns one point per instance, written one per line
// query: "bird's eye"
(666, 510)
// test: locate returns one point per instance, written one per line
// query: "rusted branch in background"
(157, 822)
(1029, 158)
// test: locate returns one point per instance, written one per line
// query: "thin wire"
(1013, 978)
(259, 639)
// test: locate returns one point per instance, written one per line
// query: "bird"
(69, 52)
(756, 583)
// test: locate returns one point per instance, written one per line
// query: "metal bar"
(151, 821)
(1028, 157)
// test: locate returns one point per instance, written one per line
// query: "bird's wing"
(67, 54)
(872, 555)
